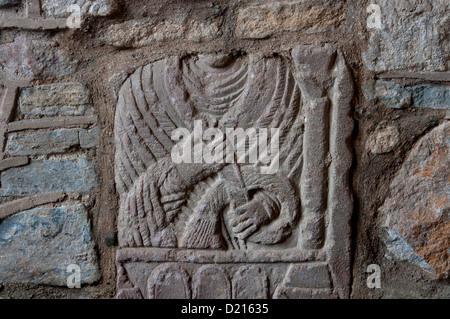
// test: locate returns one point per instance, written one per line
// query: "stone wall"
(360, 90)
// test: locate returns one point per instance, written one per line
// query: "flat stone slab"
(55, 99)
(89, 138)
(392, 95)
(42, 143)
(254, 221)
(52, 142)
(37, 246)
(311, 16)
(139, 33)
(67, 175)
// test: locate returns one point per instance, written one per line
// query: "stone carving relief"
(226, 230)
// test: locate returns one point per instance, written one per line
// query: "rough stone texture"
(408, 56)
(16, 206)
(89, 138)
(49, 176)
(432, 96)
(58, 8)
(43, 143)
(308, 276)
(6, 3)
(383, 140)
(37, 246)
(38, 59)
(417, 211)
(52, 142)
(169, 205)
(56, 99)
(414, 35)
(143, 33)
(265, 20)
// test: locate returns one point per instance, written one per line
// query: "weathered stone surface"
(383, 139)
(308, 276)
(169, 282)
(56, 99)
(43, 143)
(37, 246)
(236, 209)
(250, 282)
(6, 3)
(58, 8)
(52, 142)
(38, 59)
(413, 35)
(211, 282)
(432, 96)
(416, 212)
(51, 122)
(89, 138)
(143, 33)
(13, 162)
(77, 175)
(22, 204)
(264, 20)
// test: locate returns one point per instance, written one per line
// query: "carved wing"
(143, 126)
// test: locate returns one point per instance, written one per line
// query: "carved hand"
(247, 219)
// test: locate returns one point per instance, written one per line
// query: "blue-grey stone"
(67, 175)
(89, 138)
(6, 3)
(432, 96)
(43, 143)
(37, 246)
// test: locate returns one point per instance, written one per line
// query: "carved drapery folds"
(297, 214)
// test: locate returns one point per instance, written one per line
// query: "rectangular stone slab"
(272, 226)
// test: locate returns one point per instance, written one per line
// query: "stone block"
(240, 214)
(37, 246)
(392, 95)
(38, 59)
(43, 143)
(89, 138)
(66, 175)
(413, 36)
(55, 100)
(143, 32)
(264, 20)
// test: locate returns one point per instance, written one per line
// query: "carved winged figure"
(217, 206)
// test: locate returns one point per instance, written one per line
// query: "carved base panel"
(158, 273)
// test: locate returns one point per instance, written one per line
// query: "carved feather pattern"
(168, 94)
